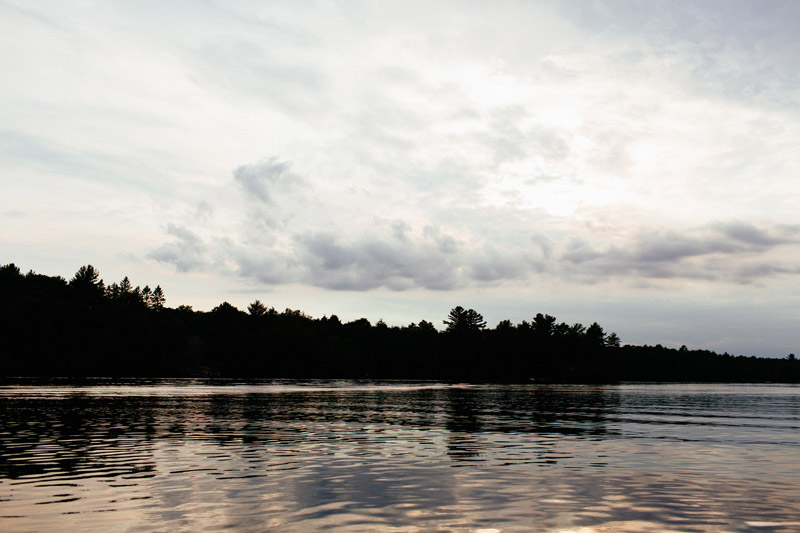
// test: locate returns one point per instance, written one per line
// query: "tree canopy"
(81, 327)
(462, 320)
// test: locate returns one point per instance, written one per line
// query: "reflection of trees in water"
(114, 435)
(573, 411)
(474, 413)
(76, 437)
(578, 411)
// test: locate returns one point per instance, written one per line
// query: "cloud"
(672, 246)
(432, 259)
(721, 251)
(749, 272)
(204, 211)
(750, 234)
(374, 260)
(490, 266)
(268, 266)
(265, 180)
(187, 252)
(328, 245)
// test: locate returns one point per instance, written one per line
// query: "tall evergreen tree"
(257, 308)
(460, 319)
(157, 299)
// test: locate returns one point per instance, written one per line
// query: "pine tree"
(460, 319)
(157, 299)
(257, 308)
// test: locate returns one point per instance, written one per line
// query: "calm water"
(288, 456)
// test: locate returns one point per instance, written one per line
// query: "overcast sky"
(631, 163)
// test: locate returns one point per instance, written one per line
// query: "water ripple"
(413, 456)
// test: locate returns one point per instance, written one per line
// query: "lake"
(194, 455)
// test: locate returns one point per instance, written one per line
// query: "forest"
(81, 327)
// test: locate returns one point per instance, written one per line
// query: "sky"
(631, 163)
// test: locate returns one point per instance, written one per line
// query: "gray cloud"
(671, 247)
(266, 179)
(749, 234)
(266, 267)
(204, 211)
(749, 272)
(544, 244)
(186, 252)
(579, 251)
(717, 252)
(492, 265)
(392, 255)
(400, 230)
(374, 261)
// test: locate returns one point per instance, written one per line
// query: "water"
(344, 456)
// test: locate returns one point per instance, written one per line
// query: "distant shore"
(81, 327)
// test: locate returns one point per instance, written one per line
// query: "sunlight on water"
(300, 456)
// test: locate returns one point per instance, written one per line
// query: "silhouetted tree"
(257, 308)
(577, 330)
(226, 308)
(88, 286)
(612, 341)
(125, 286)
(543, 325)
(504, 325)
(87, 282)
(562, 329)
(86, 276)
(157, 299)
(460, 319)
(595, 335)
(427, 327)
(11, 270)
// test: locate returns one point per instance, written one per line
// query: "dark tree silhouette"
(595, 335)
(226, 308)
(612, 341)
(157, 299)
(504, 325)
(543, 325)
(86, 276)
(460, 320)
(51, 327)
(577, 330)
(125, 286)
(87, 282)
(427, 327)
(257, 308)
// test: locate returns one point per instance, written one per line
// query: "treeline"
(82, 327)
